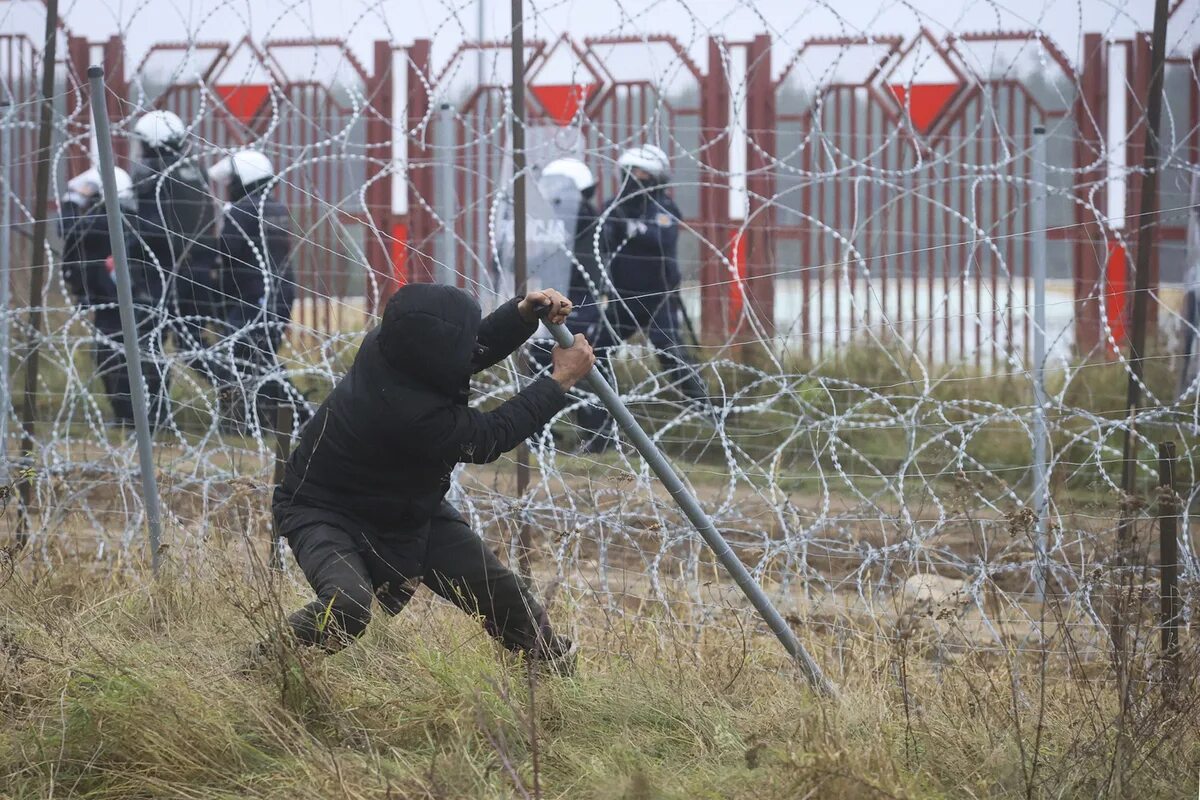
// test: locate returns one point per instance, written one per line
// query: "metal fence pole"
(1168, 565)
(446, 270)
(1147, 224)
(133, 362)
(1041, 469)
(37, 275)
(284, 428)
(6, 112)
(703, 524)
(525, 535)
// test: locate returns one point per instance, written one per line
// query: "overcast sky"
(448, 22)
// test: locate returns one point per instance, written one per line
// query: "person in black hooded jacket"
(362, 501)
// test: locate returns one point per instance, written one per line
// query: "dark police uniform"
(174, 242)
(258, 289)
(87, 251)
(639, 241)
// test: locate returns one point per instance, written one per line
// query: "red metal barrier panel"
(591, 99)
(301, 102)
(903, 170)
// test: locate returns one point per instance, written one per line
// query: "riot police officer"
(86, 270)
(639, 240)
(173, 254)
(256, 284)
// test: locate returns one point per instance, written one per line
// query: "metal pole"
(447, 266)
(1041, 469)
(519, 253)
(133, 361)
(5, 282)
(1147, 227)
(700, 520)
(37, 277)
(284, 428)
(1168, 565)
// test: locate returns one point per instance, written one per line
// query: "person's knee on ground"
(333, 622)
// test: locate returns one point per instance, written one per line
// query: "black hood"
(429, 334)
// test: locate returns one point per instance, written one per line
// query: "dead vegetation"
(116, 686)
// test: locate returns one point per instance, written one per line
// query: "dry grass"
(112, 686)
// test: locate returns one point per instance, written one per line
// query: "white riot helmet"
(649, 158)
(87, 185)
(159, 129)
(247, 166)
(574, 169)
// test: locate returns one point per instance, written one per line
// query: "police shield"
(552, 208)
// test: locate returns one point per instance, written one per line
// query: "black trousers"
(348, 566)
(255, 337)
(109, 354)
(658, 317)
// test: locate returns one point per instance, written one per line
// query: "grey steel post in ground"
(6, 115)
(447, 263)
(517, 54)
(284, 429)
(1148, 226)
(1041, 469)
(1168, 566)
(133, 361)
(700, 520)
(37, 273)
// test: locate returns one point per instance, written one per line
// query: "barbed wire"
(853, 449)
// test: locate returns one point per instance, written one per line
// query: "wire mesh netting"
(844, 370)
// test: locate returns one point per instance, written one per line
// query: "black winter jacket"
(640, 241)
(381, 448)
(85, 251)
(255, 251)
(176, 214)
(585, 254)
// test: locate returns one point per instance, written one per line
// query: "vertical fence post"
(37, 277)
(129, 332)
(1139, 77)
(380, 177)
(78, 58)
(117, 87)
(714, 197)
(1091, 115)
(1041, 470)
(1168, 565)
(519, 244)
(420, 163)
(284, 428)
(762, 124)
(6, 114)
(445, 203)
(1147, 228)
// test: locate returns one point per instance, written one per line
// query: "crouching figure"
(362, 502)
